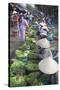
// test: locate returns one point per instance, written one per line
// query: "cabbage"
(30, 40)
(32, 79)
(18, 67)
(44, 79)
(23, 47)
(16, 82)
(21, 54)
(32, 55)
(33, 46)
(31, 66)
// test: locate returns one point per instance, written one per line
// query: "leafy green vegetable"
(31, 66)
(31, 79)
(21, 54)
(30, 40)
(32, 55)
(18, 67)
(16, 82)
(26, 64)
(23, 47)
(56, 33)
(43, 79)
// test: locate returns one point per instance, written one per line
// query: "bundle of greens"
(20, 54)
(17, 81)
(32, 54)
(23, 47)
(31, 66)
(43, 79)
(18, 67)
(32, 79)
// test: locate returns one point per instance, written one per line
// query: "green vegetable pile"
(18, 67)
(24, 69)
(32, 79)
(31, 66)
(17, 81)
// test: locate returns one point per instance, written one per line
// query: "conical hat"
(43, 43)
(46, 28)
(14, 12)
(48, 66)
(43, 24)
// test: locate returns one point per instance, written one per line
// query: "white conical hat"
(45, 27)
(14, 12)
(48, 66)
(43, 24)
(43, 43)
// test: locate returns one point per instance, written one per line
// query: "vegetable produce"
(18, 67)
(32, 55)
(43, 79)
(21, 54)
(24, 70)
(23, 47)
(32, 79)
(31, 66)
(17, 82)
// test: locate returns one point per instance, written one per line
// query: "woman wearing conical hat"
(48, 66)
(43, 48)
(43, 30)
